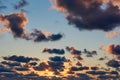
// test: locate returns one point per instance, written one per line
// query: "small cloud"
(15, 22)
(76, 53)
(96, 72)
(54, 51)
(20, 4)
(113, 63)
(112, 49)
(112, 34)
(20, 58)
(58, 59)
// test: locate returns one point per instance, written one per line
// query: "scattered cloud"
(20, 4)
(76, 53)
(54, 51)
(15, 22)
(20, 58)
(113, 63)
(112, 49)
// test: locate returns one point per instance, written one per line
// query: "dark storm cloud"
(14, 22)
(58, 59)
(20, 58)
(20, 4)
(54, 51)
(113, 63)
(90, 14)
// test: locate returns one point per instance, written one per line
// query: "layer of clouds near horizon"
(16, 23)
(90, 14)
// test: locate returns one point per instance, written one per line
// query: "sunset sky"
(66, 30)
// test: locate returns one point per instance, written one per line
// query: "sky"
(61, 32)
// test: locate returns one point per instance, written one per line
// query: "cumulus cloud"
(112, 49)
(76, 53)
(20, 58)
(113, 63)
(15, 22)
(58, 59)
(41, 67)
(90, 14)
(54, 51)
(41, 35)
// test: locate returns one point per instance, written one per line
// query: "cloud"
(76, 53)
(56, 66)
(41, 35)
(20, 4)
(11, 64)
(22, 69)
(15, 22)
(78, 64)
(20, 58)
(58, 59)
(54, 51)
(90, 14)
(74, 68)
(4, 69)
(113, 63)
(101, 77)
(94, 68)
(33, 63)
(112, 49)
(96, 72)
(112, 34)
(89, 53)
(41, 67)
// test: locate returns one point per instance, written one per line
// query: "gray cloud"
(90, 14)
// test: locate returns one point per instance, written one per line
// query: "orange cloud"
(112, 34)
